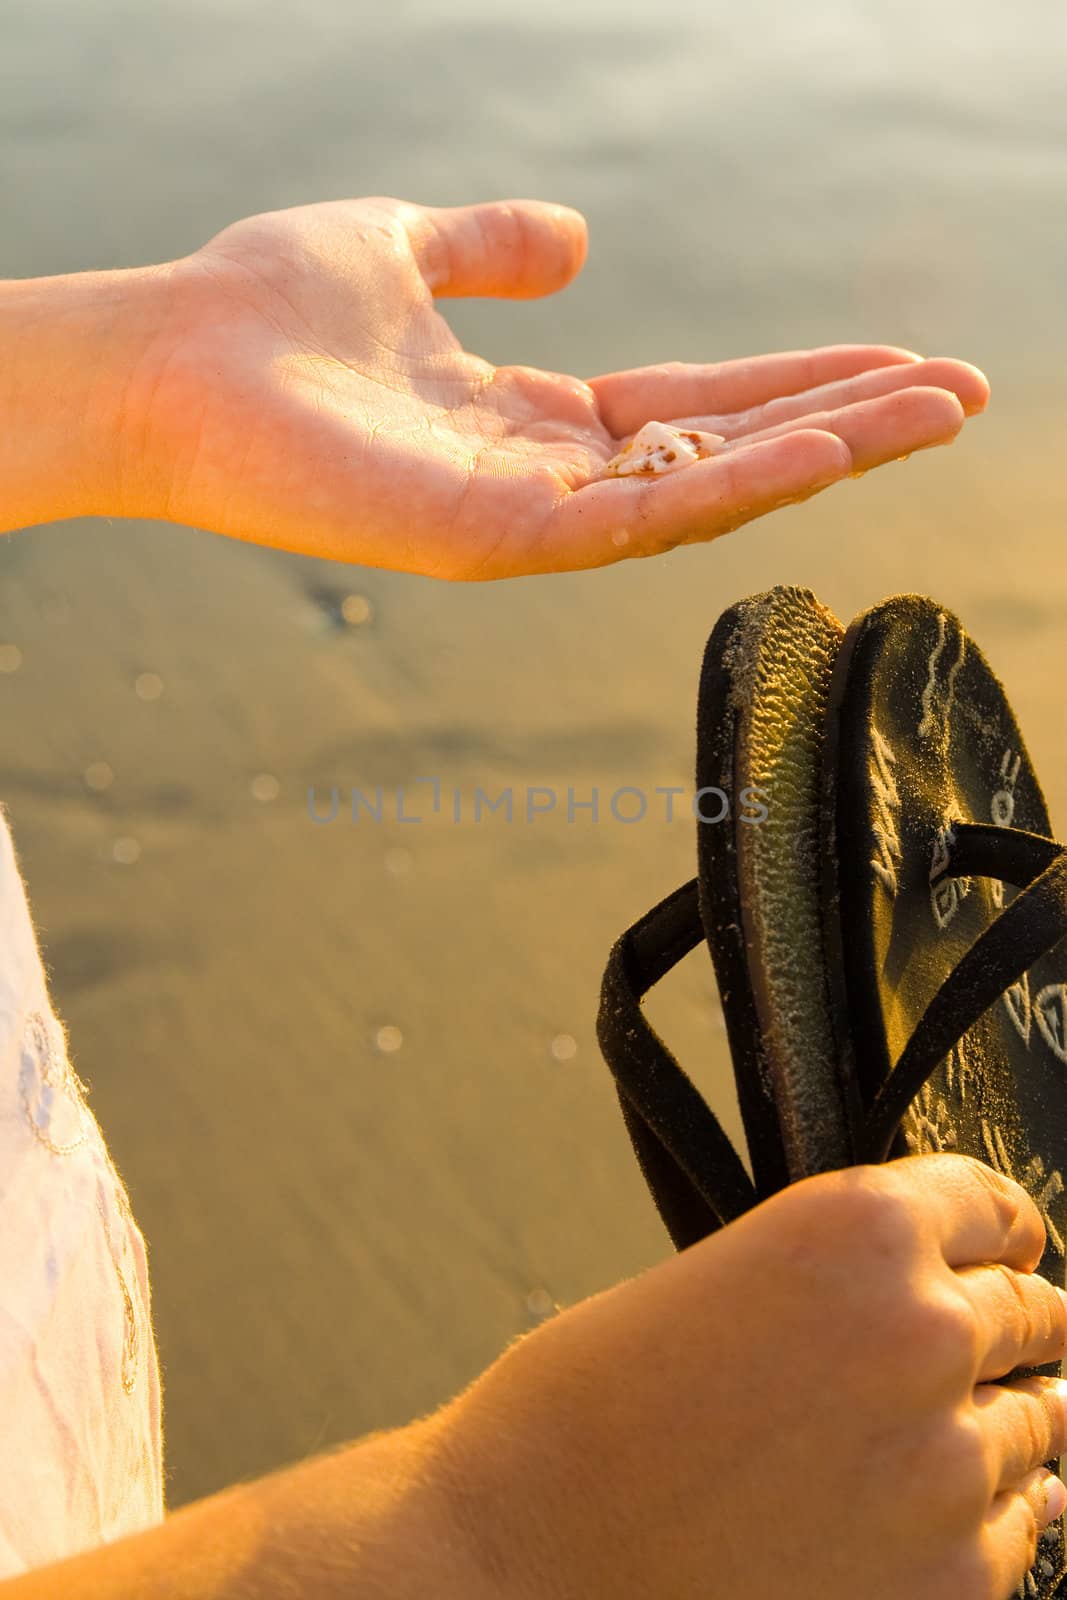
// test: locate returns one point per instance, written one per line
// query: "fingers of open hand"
(629, 399)
(880, 429)
(612, 518)
(1020, 1318)
(967, 383)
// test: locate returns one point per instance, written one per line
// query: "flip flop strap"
(1026, 930)
(696, 1177)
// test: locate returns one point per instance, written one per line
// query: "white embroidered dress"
(80, 1433)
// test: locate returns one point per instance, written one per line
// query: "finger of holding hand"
(1023, 1425)
(1021, 1318)
(1010, 1539)
(973, 1213)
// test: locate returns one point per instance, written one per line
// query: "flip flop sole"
(764, 689)
(920, 736)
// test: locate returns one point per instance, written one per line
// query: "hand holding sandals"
(888, 943)
(799, 1405)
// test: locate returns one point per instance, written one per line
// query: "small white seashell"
(659, 447)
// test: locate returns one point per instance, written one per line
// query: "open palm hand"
(303, 391)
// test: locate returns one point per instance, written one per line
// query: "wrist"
(372, 1519)
(72, 362)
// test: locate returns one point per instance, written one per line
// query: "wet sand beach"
(348, 1070)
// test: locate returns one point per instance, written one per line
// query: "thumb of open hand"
(508, 249)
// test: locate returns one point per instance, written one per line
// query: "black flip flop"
(764, 691)
(884, 939)
(932, 811)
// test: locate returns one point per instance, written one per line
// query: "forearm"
(72, 353)
(371, 1521)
